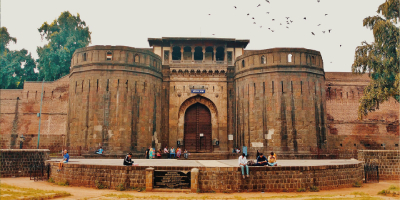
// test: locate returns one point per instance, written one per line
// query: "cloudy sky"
(130, 23)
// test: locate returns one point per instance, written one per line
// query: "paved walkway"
(207, 163)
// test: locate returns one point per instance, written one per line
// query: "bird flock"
(286, 22)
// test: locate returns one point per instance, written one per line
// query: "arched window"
(137, 59)
(198, 53)
(289, 57)
(209, 53)
(220, 54)
(176, 53)
(263, 60)
(243, 63)
(187, 53)
(109, 55)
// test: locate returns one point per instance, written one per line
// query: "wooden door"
(197, 136)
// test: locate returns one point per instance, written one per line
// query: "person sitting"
(237, 150)
(272, 159)
(64, 160)
(128, 161)
(234, 150)
(159, 154)
(166, 151)
(178, 152)
(262, 160)
(243, 164)
(99, 151)
(172, 152)
(185, 154)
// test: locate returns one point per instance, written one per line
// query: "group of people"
(236, 150)
(175, 153)
(261, 161)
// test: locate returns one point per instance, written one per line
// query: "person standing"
(243, 164)
(166, 151)
(185, 154)
(151, 153)
(178, 152)
(172, 152)
(148, 152)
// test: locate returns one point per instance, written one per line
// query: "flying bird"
(209, 14)
(319, 24)
(318, 1)
(213, 34)
(312, 33)
(254, 22)
(323, 31)
(273, 19)
(248, 14)
(329, 30)
(260, 26)
(281, 23)
(287, 17)
(287, 27)
(267, 12)
(259, 5)
(326, 14)
(291, 21)
(252, 18)
(267, 1)
(235, 7)
(272, 30)
(340, 45)
(305, 18)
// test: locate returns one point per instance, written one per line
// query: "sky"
(131, 22)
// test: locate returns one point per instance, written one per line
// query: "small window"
(289, 57)
(243, 64)
(313, 60)
(154, 63)
(136, 59)
(263, 60)
(109, 55)
(84, 56)
(166, 56)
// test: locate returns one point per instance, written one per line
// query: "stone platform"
(211, 175)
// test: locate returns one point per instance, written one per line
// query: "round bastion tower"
(114, 99)
(280, 99)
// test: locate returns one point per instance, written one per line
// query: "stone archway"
(206, 102)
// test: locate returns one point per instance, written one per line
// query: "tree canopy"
(64, 35)
(16, 67)
(380, 58)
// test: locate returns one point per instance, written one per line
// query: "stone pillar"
(149, 179)
(182, 52)
(225, 55)
(194, 182)
(214, 52)
(204, 52)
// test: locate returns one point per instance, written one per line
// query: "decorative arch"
(209, 104)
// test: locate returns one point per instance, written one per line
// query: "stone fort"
(206, 95)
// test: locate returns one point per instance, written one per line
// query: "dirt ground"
(89, 193)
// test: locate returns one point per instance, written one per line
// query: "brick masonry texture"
(132, 101)
(218, 179)
(388, 162)
(16, 162)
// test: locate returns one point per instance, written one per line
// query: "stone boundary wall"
(16, 162)
(218, 179)
(388, 162)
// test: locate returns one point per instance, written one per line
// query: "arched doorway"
(197, 136)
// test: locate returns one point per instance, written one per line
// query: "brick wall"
(218, 179)
(379, 130)
(18, 115)
(16, 162)
(388, 162)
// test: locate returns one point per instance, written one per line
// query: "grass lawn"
(9, 192)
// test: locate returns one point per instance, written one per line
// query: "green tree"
(64, 35)
(380, 58)
(15, 66)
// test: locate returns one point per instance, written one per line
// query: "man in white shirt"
(243, 164)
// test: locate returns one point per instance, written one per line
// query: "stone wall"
(218, 179)
(16, 162)
(388, 162)
(18, 115)
(114, 99)
(379, 130)
(280, 100)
